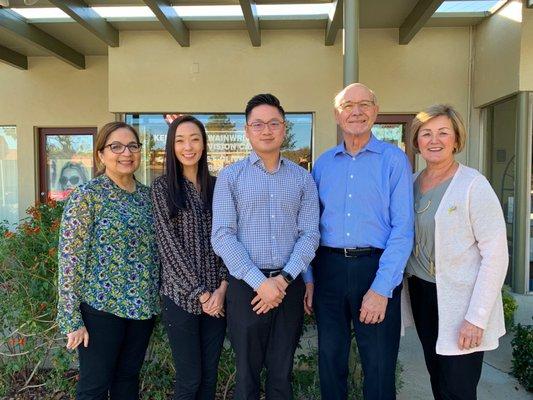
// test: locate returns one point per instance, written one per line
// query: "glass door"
(393, 128)
(65, 160)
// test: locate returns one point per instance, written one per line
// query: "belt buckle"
(348, 254)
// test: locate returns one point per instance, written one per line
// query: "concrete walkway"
(495, 383)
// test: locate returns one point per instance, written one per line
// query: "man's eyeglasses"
(119, 148)
(364, 105)
(274, 125)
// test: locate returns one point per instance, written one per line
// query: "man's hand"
(373, 308)
(269, 296)
(470, 336)
(308, 298)
(74, 339)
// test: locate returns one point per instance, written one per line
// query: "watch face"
(288, 277)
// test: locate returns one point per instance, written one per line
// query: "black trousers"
(268, 340)
(196, 342)
(110, 365)
(340, 284)
(452, 377)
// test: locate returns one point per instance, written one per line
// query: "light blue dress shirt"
(366, 200)
(265, 220)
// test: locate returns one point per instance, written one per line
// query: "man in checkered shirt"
(265, 228)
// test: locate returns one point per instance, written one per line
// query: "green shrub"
(509, 307)
(522, 345)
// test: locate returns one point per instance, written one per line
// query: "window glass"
(9, 203)
(69, 163)
(227, 142)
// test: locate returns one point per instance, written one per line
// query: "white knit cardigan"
(471, 260)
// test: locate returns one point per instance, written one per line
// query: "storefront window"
(226, 140)
(9, 206)
(66, 160)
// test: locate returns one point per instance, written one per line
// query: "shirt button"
(349, 215)
(273, 237)
(351, 176)
(350, 196)
(271, 195)
(348, 234)
(272, 216)
(353, 158)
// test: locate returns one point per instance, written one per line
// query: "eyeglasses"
(273, 125)
(119, 148)
(74, 180)
(364, 105)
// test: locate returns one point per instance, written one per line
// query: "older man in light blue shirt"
(366, 226)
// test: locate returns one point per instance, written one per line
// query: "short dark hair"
(263, 98)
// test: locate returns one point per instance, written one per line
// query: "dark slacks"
(196, 342)
(268, 340)
(452, 377)
(340, 284)
(110, 365)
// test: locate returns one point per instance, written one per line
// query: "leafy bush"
(522, 345)
(509, 306)
(34, 362)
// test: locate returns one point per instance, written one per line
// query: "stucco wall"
(526, 59)
(497, 55)
(50, 93)
(150, 72)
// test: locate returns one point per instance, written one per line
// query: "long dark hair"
(174, 170)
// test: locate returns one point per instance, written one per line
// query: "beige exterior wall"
(50, 93)
(221, 70)
(497, 55)
(150, 72)
(526, 60)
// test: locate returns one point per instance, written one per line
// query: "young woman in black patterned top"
(193, 278)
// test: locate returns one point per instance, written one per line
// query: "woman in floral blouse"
(193, 278)
(108, 270)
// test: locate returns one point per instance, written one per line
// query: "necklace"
(420, 211)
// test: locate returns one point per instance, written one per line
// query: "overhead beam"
(170, 19)
(334, 22)
(13, 58)
(12, 22)
(418, 17)
(79, 11)
(249, 11)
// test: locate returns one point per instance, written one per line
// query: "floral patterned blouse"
(107, 253)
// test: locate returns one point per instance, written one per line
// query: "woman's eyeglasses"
(119, 148)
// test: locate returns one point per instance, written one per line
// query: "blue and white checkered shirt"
(265, 220)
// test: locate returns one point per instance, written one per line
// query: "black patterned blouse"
(189, 266)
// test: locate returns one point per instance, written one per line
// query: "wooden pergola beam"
(334, 23)
(79, 11)
(12, 22)
(172, 22)
(417, 18)
(249, 11)
(13, 58)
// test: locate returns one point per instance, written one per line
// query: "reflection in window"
(390, 133)
(69, 163)
(227, 142)
(9, 206)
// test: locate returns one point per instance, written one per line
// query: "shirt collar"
(374, 145)
(255, 159)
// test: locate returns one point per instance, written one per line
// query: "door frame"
(42, 133)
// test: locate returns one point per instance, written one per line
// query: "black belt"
(270, 273)
(354, 252)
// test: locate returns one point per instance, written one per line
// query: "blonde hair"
(101, 139)
(436, 110)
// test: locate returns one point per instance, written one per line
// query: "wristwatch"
(288, 277)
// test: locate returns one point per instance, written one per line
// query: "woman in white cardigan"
(459, 260)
